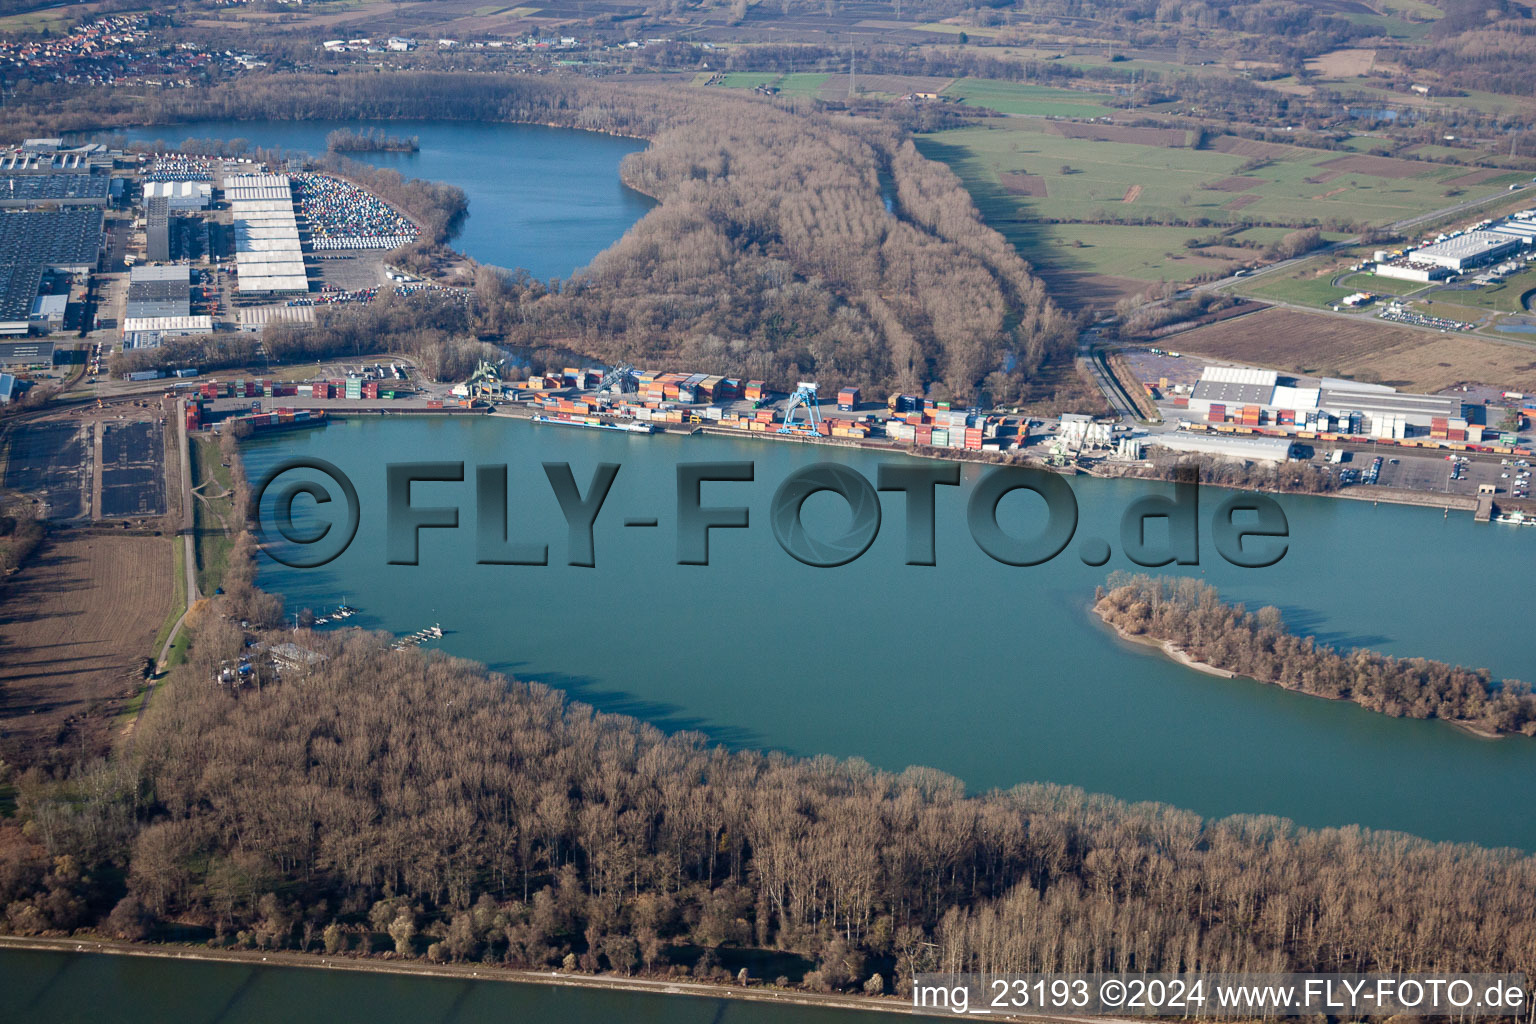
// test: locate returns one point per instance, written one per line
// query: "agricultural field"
(1091, 178)
(1363, 349)
(1036, 100)
(98, 596)
(803, 83)
(1079, 175)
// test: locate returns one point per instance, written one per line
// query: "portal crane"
(803, 398)
(621, 378)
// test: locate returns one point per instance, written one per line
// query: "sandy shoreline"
(1168, 647)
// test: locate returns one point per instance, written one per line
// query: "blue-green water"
(542, 199)
(995, 674)
(47, 987)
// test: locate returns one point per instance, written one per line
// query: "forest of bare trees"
(773, 254)
(1191, 615)
(415, 804)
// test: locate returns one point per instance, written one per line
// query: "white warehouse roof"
(1253, 449)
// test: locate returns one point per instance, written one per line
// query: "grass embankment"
(213, 488)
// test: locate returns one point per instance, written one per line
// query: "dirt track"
(75, 626)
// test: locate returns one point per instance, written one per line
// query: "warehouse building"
(65, 240)
(158, 292)
(11, 388)
(38, 354)
(32, 190)
(19, 285)
(1249, 449)
(268, 255)
(1252, 398)
(80, 160)
(255, 318)
(157, 230)
(1465, 251)
(180, 196)
(149, 332)
(47, 313)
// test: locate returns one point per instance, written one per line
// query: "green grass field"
(1176, 183)
(802, 83)
(1365, 281)
(213, 542)
(749, 79)
(1317, 291)
(1019, 98)
(1451, 305)
(1499, 298)
(1086, 183)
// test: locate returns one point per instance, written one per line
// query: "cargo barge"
(282, 419)
(628, 428)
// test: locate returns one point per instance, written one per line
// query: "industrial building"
(180, 196)
(149, 332)
(80, 160)
(10, 388)
(160, 306)
(157, 230)
(26, 354)
(1465, 251)
(31, 190)
(1457, 254)
(1251, 449)
(19, 285)
(268, 256)
(1252, 397)
(64, 240)
(47, 313)
(254, 318)
(159, 292)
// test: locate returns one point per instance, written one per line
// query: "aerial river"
(44, 987)
(998, 675)
(995, 674)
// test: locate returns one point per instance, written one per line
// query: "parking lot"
(1426, 473)
(352, 272)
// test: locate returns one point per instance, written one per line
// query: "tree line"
(419, 805)
(1191, 615)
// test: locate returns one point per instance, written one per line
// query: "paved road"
(1088, 340)
(189, 561)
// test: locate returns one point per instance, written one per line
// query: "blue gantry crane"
(803, 398)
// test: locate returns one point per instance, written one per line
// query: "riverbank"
(1183, 657)
(1168, 647)
(476, 972)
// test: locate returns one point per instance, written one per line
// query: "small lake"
(546, 200)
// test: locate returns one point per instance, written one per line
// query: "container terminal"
(1229, 412)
